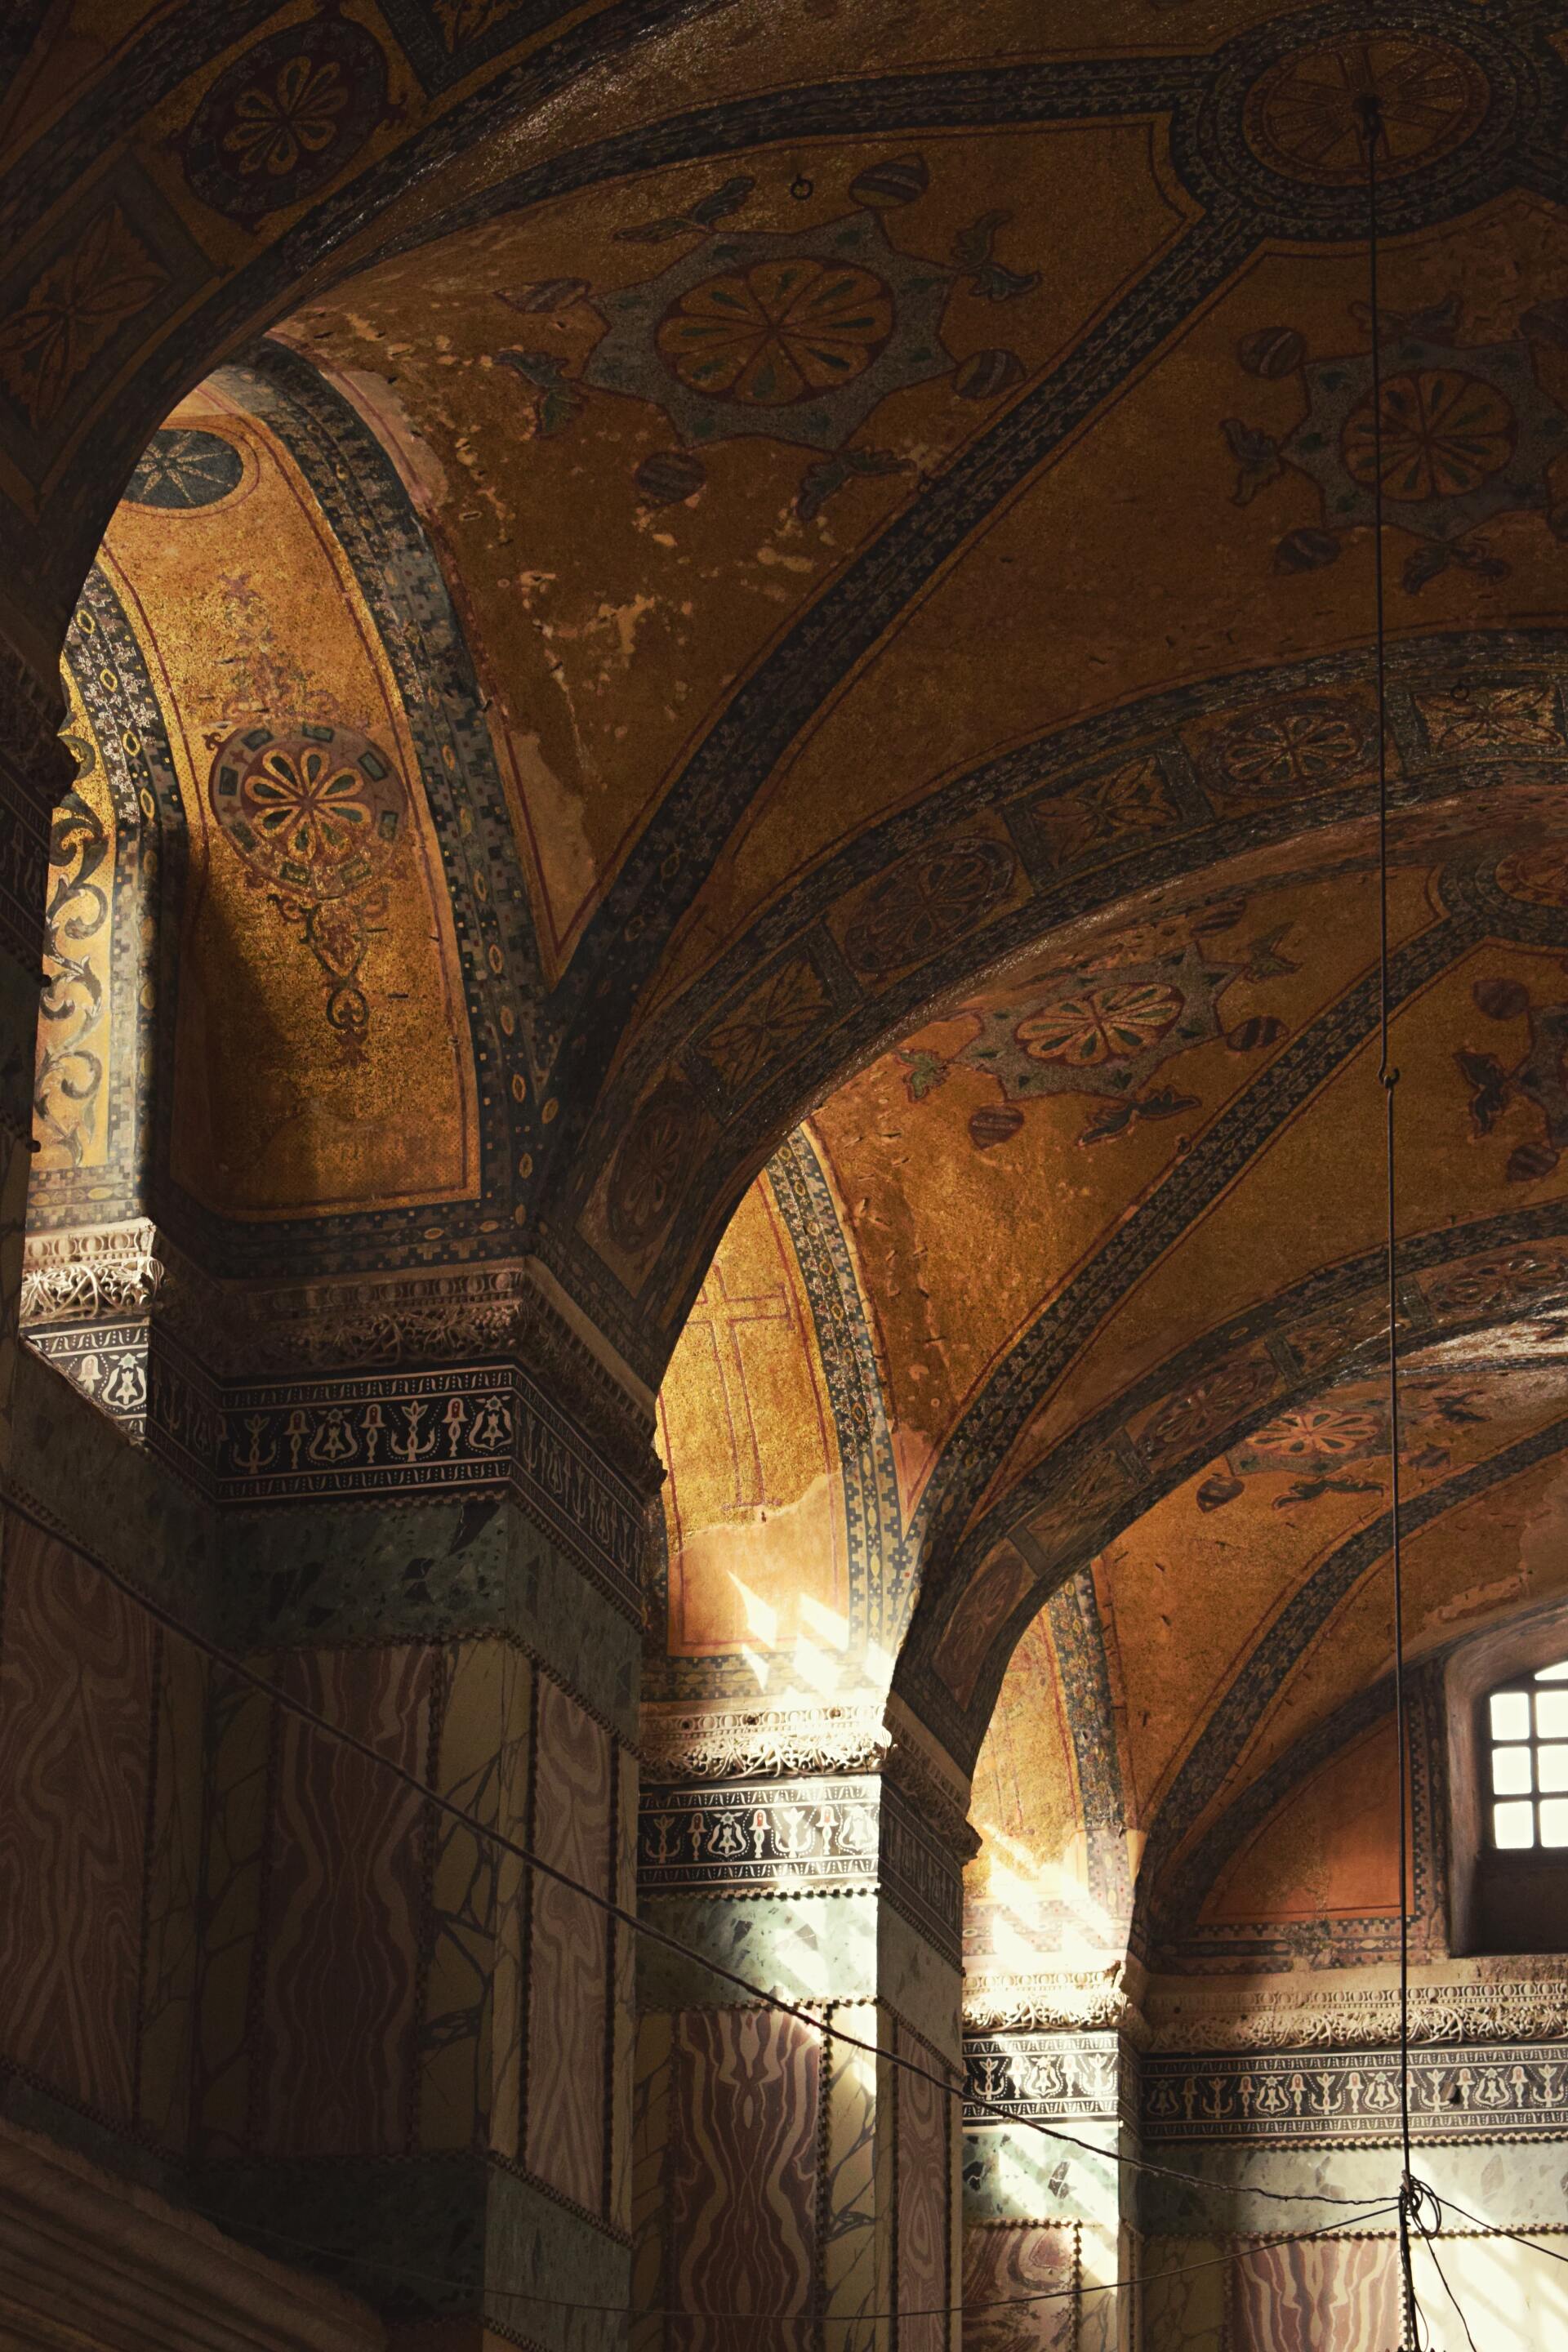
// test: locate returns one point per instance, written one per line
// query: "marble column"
(1050, 2203)
(411, 2053)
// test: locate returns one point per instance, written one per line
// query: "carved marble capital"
(1479, 2009)
(708, 1745)
(1056, 2001)
(102, 1274)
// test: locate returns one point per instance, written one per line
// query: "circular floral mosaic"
(1289, 748)
(1317, 1437)
(1443, 433)
(1109, 1023)
(315, 812)
(928, 901)
(1304, 119)
(1537, 876)
(651, 1167)
(183, 468)
(1206, 1411)
(286, 117)
(782, 331)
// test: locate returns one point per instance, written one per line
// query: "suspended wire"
(756, 1994)
(1419, 2209)
(1429, 2240)
(1388, 1077)
(843, 2319)
(1495, 2229)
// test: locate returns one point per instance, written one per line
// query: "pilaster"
(841, 1890)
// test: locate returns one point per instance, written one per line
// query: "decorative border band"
(1317, 2097)
(845, 1836)
(1043, 2077)
(403, 1436)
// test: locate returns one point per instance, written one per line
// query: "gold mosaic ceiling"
(905, 506)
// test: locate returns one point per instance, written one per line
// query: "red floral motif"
(1317, 1437)
(1291, 748)
(1106, 1024)
(1438, 434)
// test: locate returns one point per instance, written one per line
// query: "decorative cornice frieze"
(1090, 2076)
(933, 1794)
(101, 1275)
(685, 1744)
(720, 1744)
(1345, 2018)
(1052, 2000)
(251, 1331)
(824, 1834)
(1318, 2098)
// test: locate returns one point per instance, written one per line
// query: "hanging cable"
(1410, 2191)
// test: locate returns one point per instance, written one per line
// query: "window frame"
(1526, 1684)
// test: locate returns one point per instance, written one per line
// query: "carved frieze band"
(1305, 2097)
(397, 1436)
(379, 1389)
(1045, 2077)
(1476, 2093)
(839, 1835)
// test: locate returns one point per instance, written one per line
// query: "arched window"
(1527, 1736)
(1507, 1695)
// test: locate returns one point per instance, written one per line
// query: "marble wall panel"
(345, 1901)
(1020, 2283)
(569, 1954)
(78, 1675)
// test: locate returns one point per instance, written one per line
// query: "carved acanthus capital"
(1477, 2009)
(1056, 2001)
(684, 1745)
(91, 1276)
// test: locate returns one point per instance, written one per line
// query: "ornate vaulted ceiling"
(1229, 1801)
(846, 533)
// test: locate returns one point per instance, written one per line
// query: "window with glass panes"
(1528, 1728)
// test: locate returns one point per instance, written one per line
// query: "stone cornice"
(1359, 2017)
(712, 1745)
(78, 1277)
(251, 1331)
(1472, 2009)
(1049, 2001)
(702, 1744)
